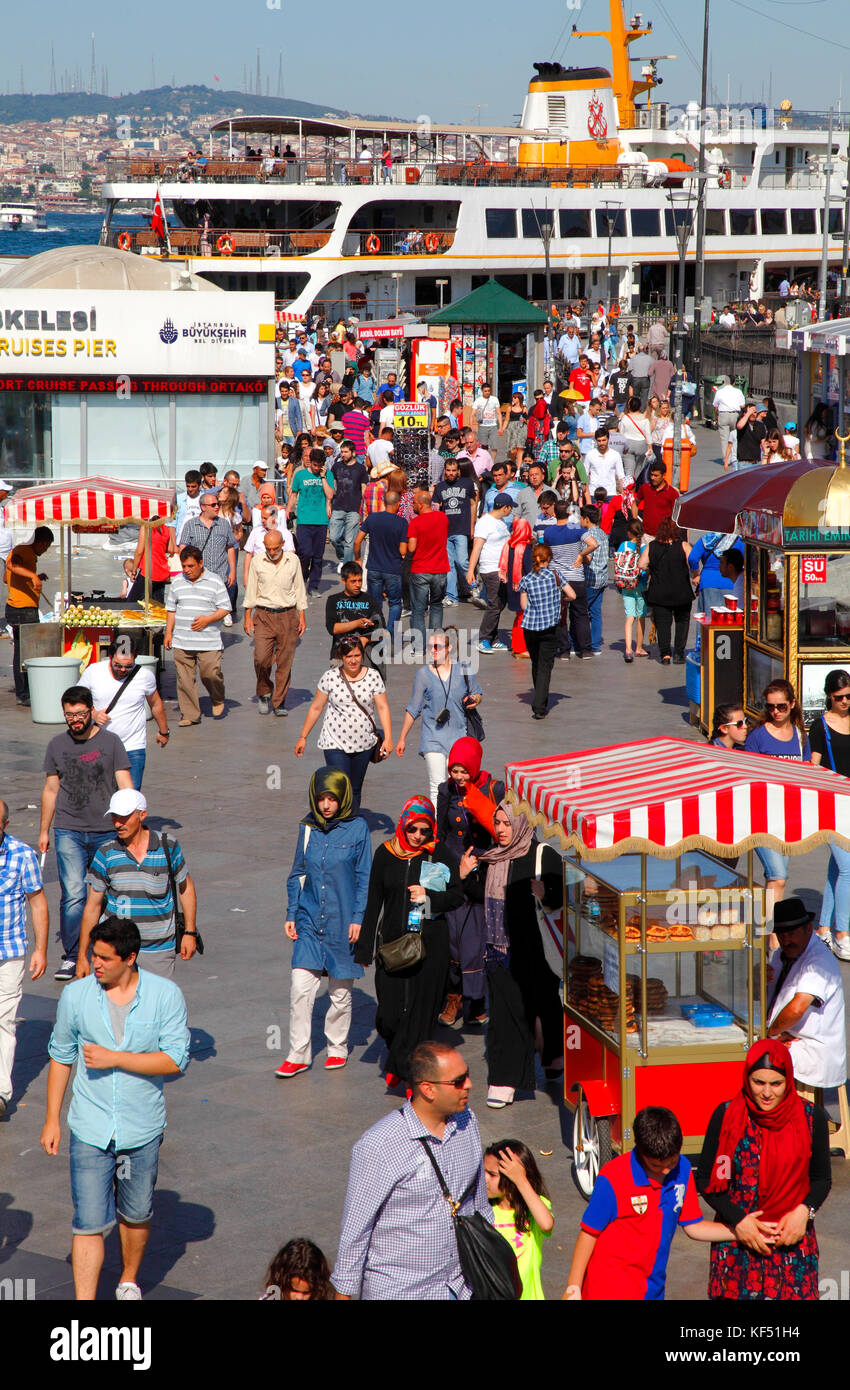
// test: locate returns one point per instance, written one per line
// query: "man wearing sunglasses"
(214, 538)
(398, 1239)
(121, 692)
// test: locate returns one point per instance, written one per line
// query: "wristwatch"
(811, 1215)
(186, 932)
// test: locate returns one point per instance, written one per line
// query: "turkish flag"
(158, 219)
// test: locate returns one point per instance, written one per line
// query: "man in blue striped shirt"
(129, 878)
(20, 882)
(196, 605)
(398, 1239)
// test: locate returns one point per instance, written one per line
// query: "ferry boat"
(16, 215)
(351, 216)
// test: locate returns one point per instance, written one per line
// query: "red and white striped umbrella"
(661, 796)
(91, 500)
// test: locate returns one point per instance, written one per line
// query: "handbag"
(377, 755)
(488, 1262)
(406, 951)
(474, 722)
(179, 918)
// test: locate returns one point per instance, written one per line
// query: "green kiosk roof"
(490, 304)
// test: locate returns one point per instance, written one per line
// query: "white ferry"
(365, 217)
(16, 215)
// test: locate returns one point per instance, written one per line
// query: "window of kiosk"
(772, 616)
(824, 608)
(762, 668)
(753, 572)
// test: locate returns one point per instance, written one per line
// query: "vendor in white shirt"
(127, 716)
(806, 999)
(604, 466)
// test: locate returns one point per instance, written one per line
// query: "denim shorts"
(103, 1181)
(775, 865)
(634, 603)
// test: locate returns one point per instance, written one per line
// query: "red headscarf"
(510, 560)
(786, 1144)
(415, 808)
(467, 752)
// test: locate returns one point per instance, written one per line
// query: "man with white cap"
(251, 486)
(129, 877)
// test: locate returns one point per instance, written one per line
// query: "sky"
(452, 62)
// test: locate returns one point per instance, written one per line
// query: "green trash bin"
(152, 662)
(709, 414)
(743, 384)
(49, 677)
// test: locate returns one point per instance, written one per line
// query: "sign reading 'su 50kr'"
(134, 332)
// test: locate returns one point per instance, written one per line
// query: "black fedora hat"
(790, 914)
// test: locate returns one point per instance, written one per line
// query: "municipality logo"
(168, 333)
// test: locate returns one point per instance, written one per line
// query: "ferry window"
(427, 291)
(802, 221)
(538, 285)
(535, 218)
(773, 222)
(836, 221)
(715, 222)
(678, 218)
(517, 284)
(618, 221)
(645, 222)
(501, 222)
(742, 221)
(574, 222)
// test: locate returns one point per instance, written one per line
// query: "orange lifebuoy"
(432, 242)
(373, 245)
(725, 180)
(124, 242)
(224, 246)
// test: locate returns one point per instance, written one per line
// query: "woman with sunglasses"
(780, 733)
(729, 728)
(353, 698)
(413, 884)
(830, 739)
(442, 693)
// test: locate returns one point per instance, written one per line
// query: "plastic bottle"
(415, 917)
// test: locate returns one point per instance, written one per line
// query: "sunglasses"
(423, 830)
(778, 708)
(457, 1081)
(841, 695)
(735, 724)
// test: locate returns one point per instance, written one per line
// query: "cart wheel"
(591, 1146)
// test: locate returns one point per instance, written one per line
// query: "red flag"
(158, 219)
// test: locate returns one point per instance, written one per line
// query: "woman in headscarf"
(514, 564)
(764, 1168)
(521, 986)
(413, 884)
(466, 805)
(326, 899)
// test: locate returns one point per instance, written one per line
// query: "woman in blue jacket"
(326, 900)
(707, 554)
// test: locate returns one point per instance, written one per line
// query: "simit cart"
(662, 943)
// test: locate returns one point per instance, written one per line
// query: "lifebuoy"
(725, 180)
(124, 242)
(432, 242)
(373, 245)
(224, 245)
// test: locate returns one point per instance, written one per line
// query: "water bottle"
(593, 908)
(415, 917)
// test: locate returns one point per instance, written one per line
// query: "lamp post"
(441, 285)
(699, 288)
(611, 209)
(396, 275)
(682, 214)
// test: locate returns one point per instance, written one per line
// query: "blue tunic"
(428, 698)
(336, 883)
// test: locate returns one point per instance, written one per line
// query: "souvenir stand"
(101, 505)
(663, 939)
(795, 521)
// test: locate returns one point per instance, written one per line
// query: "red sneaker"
(392, 1080)
(291, 1069)
(334, 1063)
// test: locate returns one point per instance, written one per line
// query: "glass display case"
(664, 954)
(824, 603)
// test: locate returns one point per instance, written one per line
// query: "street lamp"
(682, 215)
(611, 210)
(396, 275)
(441, 284)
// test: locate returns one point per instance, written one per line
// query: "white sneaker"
(841, 948)
(450, 603)
(128, 1293)
(500, 1096)
(498, 646)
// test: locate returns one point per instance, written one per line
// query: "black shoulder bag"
(120, 691)
(474, 722)
(488, 1262)
(179, 918)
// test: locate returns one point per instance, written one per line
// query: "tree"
(46, 169)
(85, 187)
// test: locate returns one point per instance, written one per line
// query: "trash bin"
(743, 384)
(147, 661)
(49, 677)
(709, 414)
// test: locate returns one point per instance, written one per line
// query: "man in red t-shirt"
(427, 534)
(654, 499)
(580, 378)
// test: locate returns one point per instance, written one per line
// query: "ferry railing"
(221, 242)
(381, 242)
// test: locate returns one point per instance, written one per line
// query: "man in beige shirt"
(275, 603)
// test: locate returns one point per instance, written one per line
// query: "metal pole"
(546, 234)
(683, 234)
(824, 264)
(699, 288)
(610, 234)
(845, 245)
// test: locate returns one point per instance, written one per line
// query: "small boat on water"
(16, 215)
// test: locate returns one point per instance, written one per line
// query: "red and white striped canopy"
(662, 796)
(91, 500)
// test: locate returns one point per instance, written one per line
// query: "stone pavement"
(250, 1161)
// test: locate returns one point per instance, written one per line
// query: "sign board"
(812, 569)
(122, 385)
(410, 415)
(829, 537)
(135, 333)
(365, 331)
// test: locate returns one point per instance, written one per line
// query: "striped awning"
(662, 796)
(91, 500)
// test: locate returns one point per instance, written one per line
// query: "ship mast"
(619, 36)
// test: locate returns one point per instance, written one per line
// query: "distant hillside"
(185, 101)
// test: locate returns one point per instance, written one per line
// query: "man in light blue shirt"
(126, 1030)
(569, 345)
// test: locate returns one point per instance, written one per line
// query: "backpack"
(626, 572)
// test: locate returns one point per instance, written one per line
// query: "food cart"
(103, 505)
(795, 521)
(663, 935)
